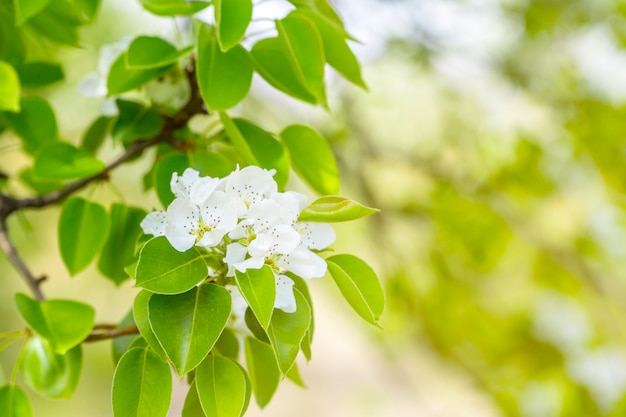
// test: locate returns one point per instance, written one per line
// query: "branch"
(101, 332)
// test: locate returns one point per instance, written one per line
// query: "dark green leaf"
(287, 331)
(188, 325)
(269, 152)
(121, 78)
(359, 285)
(37, 74)
(119, 249)
(14, 402)
(152, 52)
(222, 387)
(135, 122)
(35, 123)
(334, 209)
(263, 369)
(9, 88)
(258, 288)
(312, 158)
(228, 344)
(50, 374)
(62, 161)
(64, 323)
(97, 132)
(224, 78)
(164, 270)
(275, 65)
(192, 406)
(140, 315)
(174, 7)
(25, 9)
(237, 139)
(300, 285)
(163, 174)
(304, 47)
(252, 323)
(83, 228)
(232, 18)
(40, 185)
(13, 52)
(87, 7)
(142, 385)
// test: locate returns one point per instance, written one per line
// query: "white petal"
(235, 254)
(285, 300)
(154, 223)
(251, 184)
(303, 263)
(201, 189)
(181, 185)
(285, 239)
(110, 52)
(316, 235)
(93, 85)
(289, 206)
(108, 107)
(182, 224)
(239, 304)
(217, 212)
(264, 214)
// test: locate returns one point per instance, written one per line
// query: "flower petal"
(285, 300)
(303, 263)
(154, 223)
(316, 235)
(182, 224)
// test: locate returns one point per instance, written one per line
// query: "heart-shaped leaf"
(188, 325)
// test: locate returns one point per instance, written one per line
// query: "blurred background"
(493, 139)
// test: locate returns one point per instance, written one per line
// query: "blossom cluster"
(243, 217)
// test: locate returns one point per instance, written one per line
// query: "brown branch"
(100, 333)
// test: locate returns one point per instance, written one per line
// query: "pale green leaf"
(359, 285)
(312, 158)
(62, 161)
(192, 406)
(152, 52)
(258, 288)
(25, 9)
(188, 325)
(142, 385)
(263, 370)
(174, 7)
(140, 315)
(222, 387)
(83, 229)
(122, 78)
(232, 18)
(334, 209)
(9, 88)
(237, 139)
(14, 402)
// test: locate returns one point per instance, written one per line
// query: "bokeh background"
(493, 139)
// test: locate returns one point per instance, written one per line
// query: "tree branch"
(103, 333)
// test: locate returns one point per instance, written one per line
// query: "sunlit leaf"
(312, 158)
(258, 288)
(237, 139)
(263, 370)
(35, 123)
(142, 385)
(152, 52)
(122, 78)
(25, 9)
(14, 402)
(222, 387)
(64, 323)
(224, 78)
(9, 88)
(188, 325)
(174, 7)
(140, 316)
(82, 231)
(62, 161)
(38, 184)
(51, 374)
(232, 18)
(359, 285)
(192, 406)
(58, 21)
(334, 209)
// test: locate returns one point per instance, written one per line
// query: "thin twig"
(105, 334)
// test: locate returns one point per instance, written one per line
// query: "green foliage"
(14, 402)
(36, 74)
(335, 209)
(35, 123)
(232, 18)
(222, 387)
(9, 88)
(258, 288)
(62, 161)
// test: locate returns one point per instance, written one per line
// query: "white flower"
(315, 235)
(154, 223)
(285, 300)
(192, 186)
(250, 185)
(302, 262)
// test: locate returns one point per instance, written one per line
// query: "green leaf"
(263, 369)
(25, 9)
(152, 52)
(119, 249)
(252, 323)
(50, 374)
(97, 132)
(228, 345)
(188, 325)
(87, 7)
(237, 139)
(140, 315)
(62, 161)
(294, 376)
(312, 158)
(38, 74)
(59, 21)
(9, 88)
(64, 323)
(212, 164)
(13, 52)
(121, 78)
(174, 7)
(222, 387)
(163, 174)
(135, 122)
(276, 66)
(14, 402)
(287, 330)
(224, 78)
(121, 344)
(336, 50)
(83, 228)
(301, 285)
(258, 287)
(303, 44)
(164, 270)
(334, 209)
(232, 18)
(320, 7)
(40, 185)
(359, 285)
(192, 406)
(35, 123)
(269, 152)
(142, 385)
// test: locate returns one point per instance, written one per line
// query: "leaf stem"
(103, 332)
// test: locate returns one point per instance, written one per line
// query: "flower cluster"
(244, 218)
